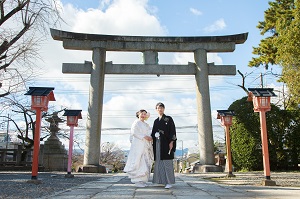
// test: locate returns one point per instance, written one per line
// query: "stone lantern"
(226, 121)
(261, 102)
(55, 155)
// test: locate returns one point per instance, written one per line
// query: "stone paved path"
(187, 186)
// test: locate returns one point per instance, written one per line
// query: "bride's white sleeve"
(131, 138)
(136, 131)
(149, 130)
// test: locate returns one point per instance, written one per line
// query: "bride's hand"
(148, 138)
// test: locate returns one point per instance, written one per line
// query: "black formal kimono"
(167, 132)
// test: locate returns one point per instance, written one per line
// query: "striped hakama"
(163, 169)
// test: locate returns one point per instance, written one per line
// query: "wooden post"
(228, 150)
(19, 155)
(36, 147)
(69, 175)
(264, 140)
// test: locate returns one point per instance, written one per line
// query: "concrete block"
(94, 169)
(207, 168)
(267, 182)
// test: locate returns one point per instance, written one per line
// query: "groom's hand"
(171, 145)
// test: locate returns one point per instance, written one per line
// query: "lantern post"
(226, 121)
(261, 98)
(72, 120)
(40, 97)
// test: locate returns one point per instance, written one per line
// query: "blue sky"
(124, 95)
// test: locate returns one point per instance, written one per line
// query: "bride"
(140, 158)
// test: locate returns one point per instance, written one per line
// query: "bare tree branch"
(4, 94)
(18, 8)
(19, 21)
(243, 82)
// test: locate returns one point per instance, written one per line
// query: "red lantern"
(261, 98)
(261, 103)
(72, 120)
(40, 97)
(226, 121)
(225, 116)
(72, 117)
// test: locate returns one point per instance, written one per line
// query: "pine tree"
(281, 46)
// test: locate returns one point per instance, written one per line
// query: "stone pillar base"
(207, 168)
(94, 169)
(267, 182)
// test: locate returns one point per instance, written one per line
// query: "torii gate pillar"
(94, 116)
(149, 46)
(205, 134)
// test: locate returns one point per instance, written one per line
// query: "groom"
(164, 146)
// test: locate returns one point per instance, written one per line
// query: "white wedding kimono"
(140, 158)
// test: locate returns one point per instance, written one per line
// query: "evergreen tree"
(245, 137)
(283, 137)
(281, 46)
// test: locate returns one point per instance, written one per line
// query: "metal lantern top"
(261, 98)
(225, 116)
(72, 117)
(40, 97)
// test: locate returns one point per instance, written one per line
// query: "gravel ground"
(282, 179)
(14, 184)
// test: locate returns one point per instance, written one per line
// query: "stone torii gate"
(149, 46)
